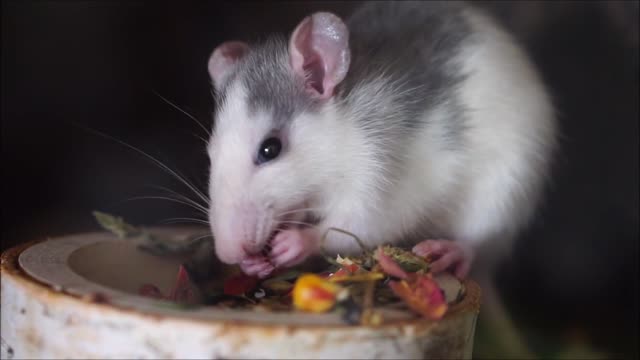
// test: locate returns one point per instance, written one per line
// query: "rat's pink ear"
(319, 52)
(224, 58)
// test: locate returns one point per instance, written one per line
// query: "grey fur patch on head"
(391, 84)
(409, 48)
(270, 84)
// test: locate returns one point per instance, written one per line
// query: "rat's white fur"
(512, 136)
(483, 192)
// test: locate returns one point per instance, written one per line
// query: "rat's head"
(275, 132)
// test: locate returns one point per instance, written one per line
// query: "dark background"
(97, 64)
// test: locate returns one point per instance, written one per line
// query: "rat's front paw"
(256, 265)
(447, 255)
(292, 246)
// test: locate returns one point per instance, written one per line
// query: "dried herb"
(288, 275)
(116, 225)
(354, 286)
(277, 286)
(407, 260)
(156, 245)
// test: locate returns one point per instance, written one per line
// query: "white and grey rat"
(418, 122)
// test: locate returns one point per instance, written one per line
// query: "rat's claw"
(446, 261)
(447, 255)
(430, 247)
(256, 265)
(291, 247)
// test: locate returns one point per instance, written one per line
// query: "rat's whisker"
(165, 198)
(296, 211)
(201, 237)
(205, 141)
(155, 161)
(184, 112)
(185, 220)
(182, 197)
(193, 204)
(296, 223)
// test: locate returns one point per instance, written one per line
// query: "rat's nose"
(251, 248)
(235, 232)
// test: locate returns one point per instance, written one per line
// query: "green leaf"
(277, 286)
(407, 260)
(289, 275)
(116, 225)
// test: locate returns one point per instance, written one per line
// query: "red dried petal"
(389, 266)
(239, 284)
(422, 294)
(353, 268)
(347, 270)
(341, 272)
(181, 291)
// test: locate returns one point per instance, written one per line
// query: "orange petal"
(315, 294)
(422, 295)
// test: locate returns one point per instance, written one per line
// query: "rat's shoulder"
(408, 17)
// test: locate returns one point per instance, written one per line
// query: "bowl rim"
(133, 305)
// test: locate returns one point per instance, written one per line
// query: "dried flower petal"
(315, 294)
(346, 270)
(239, 284)
(182, 291)
(422, 294)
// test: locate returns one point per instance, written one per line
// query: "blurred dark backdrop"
(98, 63)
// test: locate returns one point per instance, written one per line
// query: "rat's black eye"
(269, 150)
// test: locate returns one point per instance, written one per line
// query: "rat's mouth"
(309, 220)
(266, 249)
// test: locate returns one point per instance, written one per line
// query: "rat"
(410, 123)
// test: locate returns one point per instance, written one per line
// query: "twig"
(357, 239)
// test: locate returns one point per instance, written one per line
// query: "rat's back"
(463, 117)
(403, 54)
